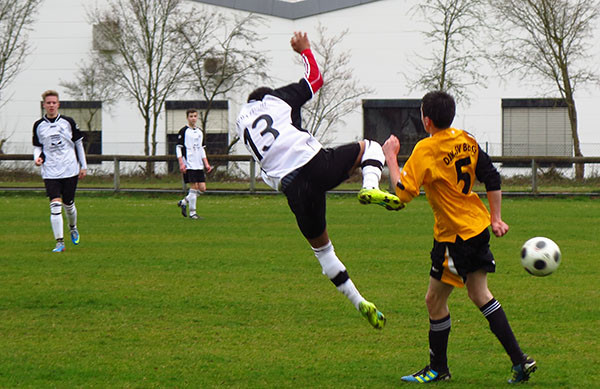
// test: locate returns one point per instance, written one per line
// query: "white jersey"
(270, 129)
(58, 139)
(190, 147)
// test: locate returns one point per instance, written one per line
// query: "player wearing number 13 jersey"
(446, 165)
(293, 161)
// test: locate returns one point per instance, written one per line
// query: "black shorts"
(451, 262)
(305, 187)
(62, 188)
(194, 175)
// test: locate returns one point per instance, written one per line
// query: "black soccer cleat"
(181, 204)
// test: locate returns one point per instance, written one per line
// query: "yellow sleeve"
(412, 174)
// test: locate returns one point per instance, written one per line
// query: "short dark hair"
(259, 93)
(440, 107)
(189, 111)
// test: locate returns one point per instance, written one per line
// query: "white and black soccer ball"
(540, 256)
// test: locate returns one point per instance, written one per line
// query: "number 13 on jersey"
(261, 142)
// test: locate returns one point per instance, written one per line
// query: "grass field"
(237, 300)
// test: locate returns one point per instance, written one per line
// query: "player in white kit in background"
(58, 149)
(294, 162)
(192, 162)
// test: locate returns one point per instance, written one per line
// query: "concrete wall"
(383, 37)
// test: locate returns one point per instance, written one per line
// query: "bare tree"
(16, 18)
(455, 31)
(221, 56)
(550, 40)
(91, 84)
(341, 92)
(147, 62)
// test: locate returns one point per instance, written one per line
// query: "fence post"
(117, 174)
(534, 188)
(252, 175)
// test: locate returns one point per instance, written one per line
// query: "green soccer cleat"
(426, 375)
(74, 236)
(377, 196)
(522, 371)
(372, 314)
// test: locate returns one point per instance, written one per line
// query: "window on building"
(536, 127)
(216, 137)
(88, 116)
(401, 117)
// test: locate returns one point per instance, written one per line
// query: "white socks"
(56, 219)
(335, 270)
(372, 163)
(71, 212)
(191, 199)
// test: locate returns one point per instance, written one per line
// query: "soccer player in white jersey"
(294, 162)
(58, 149)
(192, 162)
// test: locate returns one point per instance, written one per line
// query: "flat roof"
(288, 9)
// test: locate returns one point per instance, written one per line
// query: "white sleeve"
(178, 151)
(80, 153)
(37, 151)
(203, 152)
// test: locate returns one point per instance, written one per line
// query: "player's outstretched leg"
(371, 164)
(522, 371)
(181, 204)
(377, 196)
(372, 314)
(426, 375)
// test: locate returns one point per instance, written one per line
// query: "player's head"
(259, 93)
(439, 107)
(192, 117)
(50, 103)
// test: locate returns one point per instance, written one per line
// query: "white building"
(383, 37)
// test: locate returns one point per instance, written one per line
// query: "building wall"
(383, 37)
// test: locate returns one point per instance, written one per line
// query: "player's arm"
(391, 148)
(179, 149)
(79, 150)
(312, 74)
(207, 166)
(38, 155)
(488, 174)
(499, 227)
(179, 153)
(38, 151)
(77, 138)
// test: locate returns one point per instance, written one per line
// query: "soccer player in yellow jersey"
(446, 165)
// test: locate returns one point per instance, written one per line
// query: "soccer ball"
(540, 256)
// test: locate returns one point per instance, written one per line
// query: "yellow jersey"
(445, 164)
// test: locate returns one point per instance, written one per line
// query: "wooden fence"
(533, 161)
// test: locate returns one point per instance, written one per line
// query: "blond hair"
(49, 92)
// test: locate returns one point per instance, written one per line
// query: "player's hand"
(300, 42)
(209, 169)
(182, 168)
(82, 173)
(39, 161)
(499, 228)
(391, 147)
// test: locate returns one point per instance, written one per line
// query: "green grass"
(150, 299)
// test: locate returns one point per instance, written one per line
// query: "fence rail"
(533, 161)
